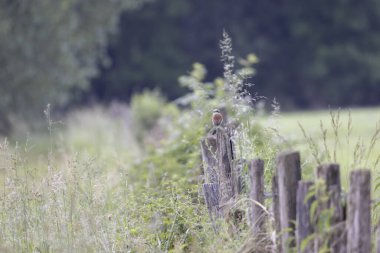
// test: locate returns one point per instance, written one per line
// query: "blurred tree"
(154, 56)
(48, 47)
(337, 47)
(311, 54)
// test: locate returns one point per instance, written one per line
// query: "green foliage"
(338, 143)
(146, 110)
(306, 242)
(149, 112)
(153, 56)
(175, 163)
(321, 216)
(49, 48)
(101, 192)
(179, 158)
(324, 51)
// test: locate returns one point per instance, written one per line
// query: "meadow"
(347, 142)
(128, 178)
(104, 179)
(102, 139)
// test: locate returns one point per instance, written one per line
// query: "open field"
(351, 146)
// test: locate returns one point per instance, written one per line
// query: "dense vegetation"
(127, 179)
(311, 54)
(51, 51)
(118, 177)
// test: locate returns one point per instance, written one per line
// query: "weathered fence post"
(359, 212)
(210, 162)
(239, 167)
(330, 174)
(305, 227)
(218, 168)
(211, 187)
(276, 214)
(212, 198)
(211, 193)
(256, 194)
(225, 170)
(288, 175)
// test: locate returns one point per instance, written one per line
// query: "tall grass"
(102, 189)
(128, 179)
(348, 137)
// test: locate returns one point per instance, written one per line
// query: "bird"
(217, 117)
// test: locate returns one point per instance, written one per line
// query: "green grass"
(364, 123)
(93, 187)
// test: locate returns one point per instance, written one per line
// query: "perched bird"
(217, 117)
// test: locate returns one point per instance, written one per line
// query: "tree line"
(312, 54)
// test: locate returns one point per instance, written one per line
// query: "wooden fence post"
(305, 227)
(210, 162)
(256, 194)
(239, 167)
(211, 187)
(276, 214)
(218, 163)
(359, 212)
(225, 170)
(288, 175)
(211, 194)
(330, 174)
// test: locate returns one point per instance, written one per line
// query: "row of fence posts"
(308, 216)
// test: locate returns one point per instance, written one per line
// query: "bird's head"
(216, 110)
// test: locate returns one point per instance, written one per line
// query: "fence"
(307, 216)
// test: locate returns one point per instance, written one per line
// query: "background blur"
(71, 53)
